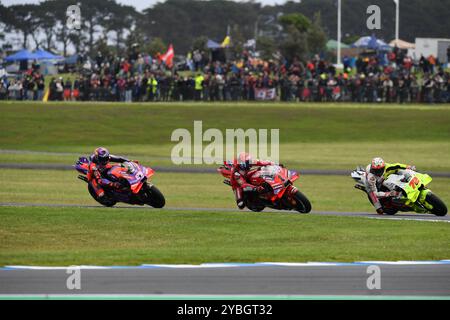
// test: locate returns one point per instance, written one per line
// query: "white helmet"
(377, 167)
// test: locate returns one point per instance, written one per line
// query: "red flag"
(168, 57)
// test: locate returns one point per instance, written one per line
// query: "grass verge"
(68, 236)
(183, 190)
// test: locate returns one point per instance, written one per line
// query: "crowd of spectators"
(391, 77)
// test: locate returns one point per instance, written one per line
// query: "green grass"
(301, 156)
(312, 136)
(51, 236)
(327, 193)
(62, 126)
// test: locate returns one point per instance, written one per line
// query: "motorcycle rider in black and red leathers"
(239, 181)
(100, 163)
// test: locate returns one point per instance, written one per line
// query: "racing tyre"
(390, 211)
(156, 198)
(439, 207)
(257, 209)
(105, 201)
(303, 204)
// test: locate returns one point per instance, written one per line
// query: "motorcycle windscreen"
(270, 172)
(293, 175)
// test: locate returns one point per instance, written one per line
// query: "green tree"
(316, 37)
(22, 18)
(237, 41)
(199, 43)
(93, 17)
(156, 46)
(101, 45)
(296, 20)
(266, 46)
(120, 19)
(295, 44)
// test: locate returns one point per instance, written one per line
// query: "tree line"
(294, 28)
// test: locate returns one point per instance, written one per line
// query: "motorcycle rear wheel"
(105, 201)
(439, 207)
(156, 198)
(303, 205)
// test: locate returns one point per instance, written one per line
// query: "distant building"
(432, 46)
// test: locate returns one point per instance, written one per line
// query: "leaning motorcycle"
(134, 179)
(414, 193)
(278, 182)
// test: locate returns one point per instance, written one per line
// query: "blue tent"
(45, 55)
(370, 43)
(21, 55)
(72, 59)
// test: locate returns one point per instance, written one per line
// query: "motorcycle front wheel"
(439, 207)
(302, 203)
(155, 197)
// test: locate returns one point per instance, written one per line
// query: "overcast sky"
(141, 4)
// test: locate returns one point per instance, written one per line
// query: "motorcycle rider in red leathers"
(239, 180)
(376, 173)
(99, 166)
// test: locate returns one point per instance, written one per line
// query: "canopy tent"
(22, 55)
(45, 55)
(370, 42)
(213, 45)
(333, 44)
(401, 44)
(71, 59)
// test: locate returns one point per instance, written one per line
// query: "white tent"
(401, 44)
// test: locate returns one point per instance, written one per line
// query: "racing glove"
(413, 168)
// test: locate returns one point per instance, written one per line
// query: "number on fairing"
(414, 182)
(139, 176)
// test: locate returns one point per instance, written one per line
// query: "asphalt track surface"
(409, 280)
(405, 280)
(396, 280)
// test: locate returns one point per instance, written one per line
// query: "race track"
(348, 280)
(174, 169)
(370, 215)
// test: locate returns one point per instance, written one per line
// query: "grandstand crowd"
(392, 77)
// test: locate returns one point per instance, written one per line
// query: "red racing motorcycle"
(134, 179)
(278, 182)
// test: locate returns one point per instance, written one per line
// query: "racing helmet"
(244, 161)
(101, 156)
(377, 167)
